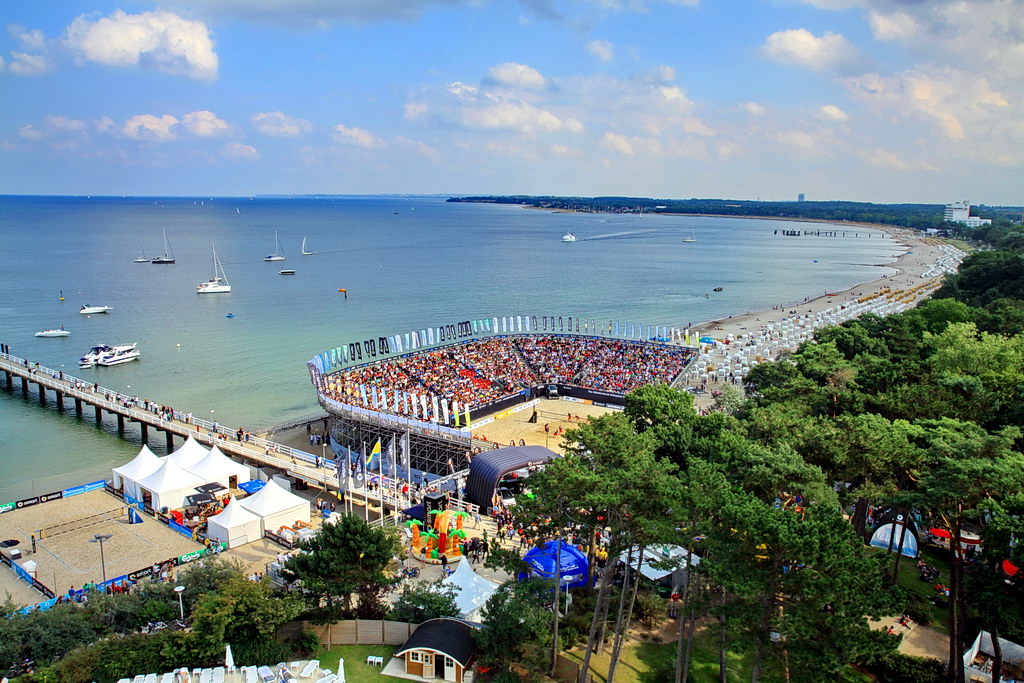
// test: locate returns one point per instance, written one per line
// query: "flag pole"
(366, 494)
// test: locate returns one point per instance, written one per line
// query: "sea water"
(407, 263)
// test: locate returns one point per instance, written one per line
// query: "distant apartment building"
(960, 212)
(800, 197)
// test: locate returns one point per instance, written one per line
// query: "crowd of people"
(446, 381)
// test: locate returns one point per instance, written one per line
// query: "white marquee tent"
(220, 468)
(234, 525)
(190, 453)
(276, 506)
(127, 476)
(169, 485)
(472, 590)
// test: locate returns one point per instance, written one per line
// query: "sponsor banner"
(42, 589)
(183, 530)
(6, 507)
(574, 399)
(480, 423)
(140, 574)
(202, 552)
(27, 502)
(280, 540)
(524, 406)
(47, 497)
(85, 488)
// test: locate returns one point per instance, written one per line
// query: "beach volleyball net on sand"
(82, 522)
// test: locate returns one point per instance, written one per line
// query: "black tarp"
(487, 469)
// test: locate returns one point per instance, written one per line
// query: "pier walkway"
(150, 415)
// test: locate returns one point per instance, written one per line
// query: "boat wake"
(615, 235)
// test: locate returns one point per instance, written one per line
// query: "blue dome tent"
(542, 564)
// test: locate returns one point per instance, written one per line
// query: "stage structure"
(439, 428)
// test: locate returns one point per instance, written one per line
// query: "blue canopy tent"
(542, 564)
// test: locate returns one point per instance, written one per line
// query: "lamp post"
(181, 605)
(101, 538)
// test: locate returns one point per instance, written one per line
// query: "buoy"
(343, 291)
(62, 295)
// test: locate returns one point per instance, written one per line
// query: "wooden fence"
(354, 632)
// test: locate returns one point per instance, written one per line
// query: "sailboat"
(218, 284)
(306, 252)
(142, 259)
(168, 256)
(691, 238)
(278, 254)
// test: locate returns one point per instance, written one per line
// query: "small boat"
(278, 254)
(286, 271)
(97, 353)
(89, 310)
(118, 355)
(691, 238)
(717, 289)
(168, 256)
(396, 212)
(218, 284)
(568, 237)
(142, 259)
(59, 332)
(230, 315)
(305, 251)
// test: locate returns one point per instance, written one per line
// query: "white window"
(414, 656)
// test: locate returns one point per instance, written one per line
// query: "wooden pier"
(124, 409)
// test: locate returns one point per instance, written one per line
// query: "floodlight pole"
(181, 604)
(101, 538)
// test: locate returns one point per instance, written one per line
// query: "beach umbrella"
(229, 659)
(341, 670)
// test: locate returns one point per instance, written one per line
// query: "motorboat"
(168, 257)
(98, 353)
(120, 354)
(89, 310)
(568, 237)
(717, 289)
(286, 271)
(278, 254)
(218, 284)
(305, 251)
(59, 332)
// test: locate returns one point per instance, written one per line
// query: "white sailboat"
(305, 251)
(59, 332)
(278, 254)
(142, 259)
(218, 284)
(691, 238)
(168, 256)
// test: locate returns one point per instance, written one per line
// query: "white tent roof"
(660, 554)
(170, 477)
(473, 589)
(141, 466)
(233, 515)
(218, 467)
(190, 453)
(880, 539)
(271, 499)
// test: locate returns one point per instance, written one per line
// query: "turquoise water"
(431, 263)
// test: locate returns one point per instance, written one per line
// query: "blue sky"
(869, 100)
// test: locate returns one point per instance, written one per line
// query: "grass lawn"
(356, 670)
(910, 579)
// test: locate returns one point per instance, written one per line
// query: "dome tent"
(234, 525)
(169, 485)
(220, 468)
(276, 507)
(127, 476)
(472, 590)
(189, 453)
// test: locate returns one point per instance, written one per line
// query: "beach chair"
(330, 678)
(206, 676)
(311, 666)
(167, 678)
(125, 680)
(218, 675)
(139, 679)
(150, 678)
(249, 674)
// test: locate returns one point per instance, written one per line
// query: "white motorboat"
(97, 353)
(89, 310)
(119, 354)
(59, 332)
(286, 271)
(168, 256)
(278, 254)
(305, 251)
(218, 284)
(568, 237)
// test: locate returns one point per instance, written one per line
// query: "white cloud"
(31, 39)
(884, 158)
(204, 124)
(279, 125)
(660, 75)
(470, 107)
(358, 137)
(30, 132)
(602, 49)
(753, 108)
(1, 62)
(160, 40)
(24, 64)
(617, 143)
(830, 52)
(320, 14)
(515, 75)
(62, 123)
(833, 113)
(239, 152)
(149, 127)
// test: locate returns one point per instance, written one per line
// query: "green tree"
(421, 601)
(342, 561)
(516, 627)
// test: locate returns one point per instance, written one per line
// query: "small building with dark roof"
(438, 649)
(487, 469)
